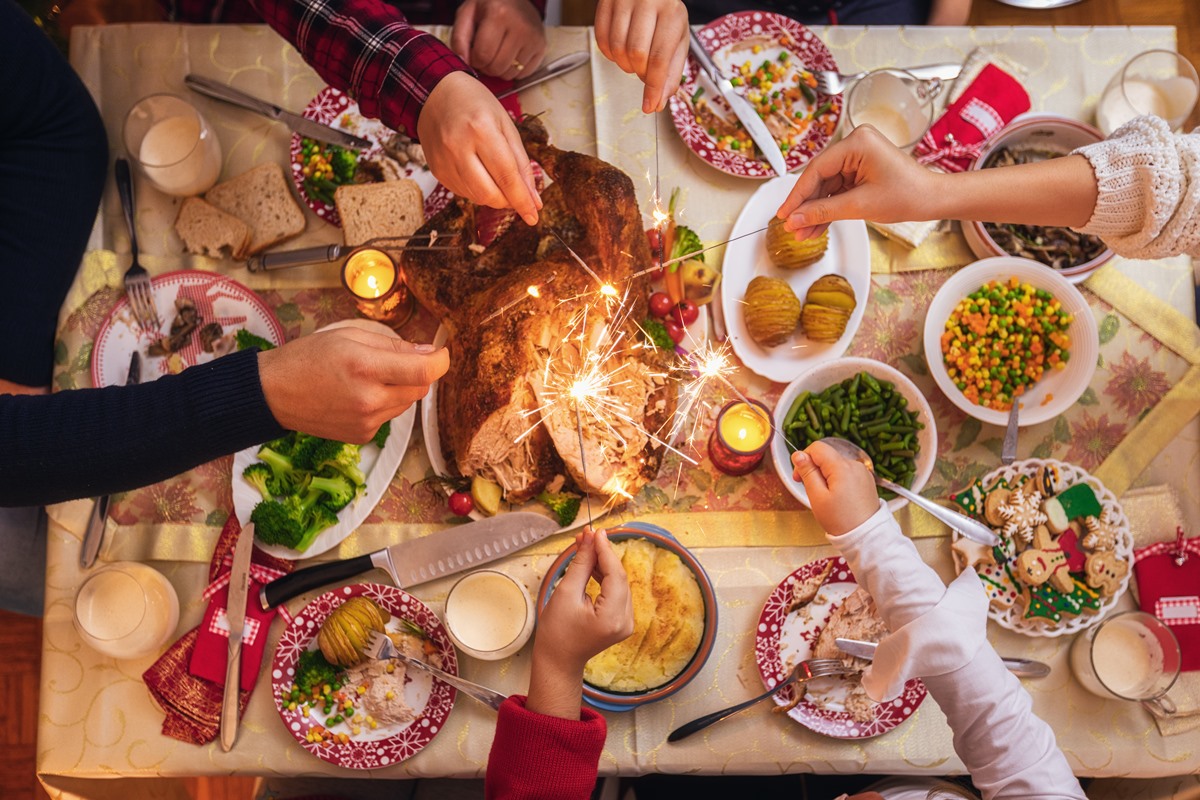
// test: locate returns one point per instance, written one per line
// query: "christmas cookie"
(1105, 571)
(1100, 533)
(1044, 562)
(1044, 604)
(991, 506)
(968, 554)
(1022, 514)
(1001, 590)
(1047, 479)
(1076, 502)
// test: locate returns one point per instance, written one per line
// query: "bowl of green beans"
(863, 401)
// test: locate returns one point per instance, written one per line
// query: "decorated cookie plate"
(1052, 581)
(784, 638)
(429, 698)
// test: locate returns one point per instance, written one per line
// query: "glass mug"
(1160, 83)
(1129, 656)
(173, 145)
(897, 103)
(126, 610)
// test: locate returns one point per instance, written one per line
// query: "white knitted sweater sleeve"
(1148, 205)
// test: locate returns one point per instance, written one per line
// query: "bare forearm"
(1061, 191)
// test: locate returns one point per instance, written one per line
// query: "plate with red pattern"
(387, 744)
(786, 636)
(217, 299)
(772, 57)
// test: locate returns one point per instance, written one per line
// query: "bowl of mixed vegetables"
(1009, 328)
(867, 402)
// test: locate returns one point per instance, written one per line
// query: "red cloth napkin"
(188, 680)
(992, 100)
(1168, 579)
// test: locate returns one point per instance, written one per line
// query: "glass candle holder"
(740, 437)
(374, 279)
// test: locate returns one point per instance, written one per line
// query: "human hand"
(344, 383)
(504, 38)
(473, 147)
(864, 176)
(648, 38)
(840, 490)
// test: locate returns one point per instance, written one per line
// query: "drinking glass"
(489, 615)
(173, 145)
(126, 610)
(896, 102)
(1129, 656)
(1161, 83)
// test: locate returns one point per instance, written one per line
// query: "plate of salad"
(770, 60)
(306, 494)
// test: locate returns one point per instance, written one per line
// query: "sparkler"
(533, 290)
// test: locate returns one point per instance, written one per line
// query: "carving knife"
(559, 66)
(1021, 667)
(235, 615)
(94, 535)
(427, 558)
(741, 106)
(297, 122)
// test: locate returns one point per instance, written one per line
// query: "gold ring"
(518, 65)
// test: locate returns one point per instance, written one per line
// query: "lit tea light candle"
(369, 274)
(740, 437)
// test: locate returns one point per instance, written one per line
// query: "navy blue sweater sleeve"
(90, 442)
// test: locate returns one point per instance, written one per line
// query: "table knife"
(298, 123)
(559, 66)
(94, 535)
(414, 562)
(741, 107)
(1021, 667)
(235, 616)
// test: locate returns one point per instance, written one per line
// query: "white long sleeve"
(1008, 750)
(1148, 205)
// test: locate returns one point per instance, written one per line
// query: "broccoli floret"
(320, 518)
(656, 334)
(276, 523)
(344, 163)
(245, 340)
(259, 476)
(285, 444)
(381, 435)
(565, 506)
(687, 243)
(313, 672)
(337, 491)
(283, 470)
(313, 453)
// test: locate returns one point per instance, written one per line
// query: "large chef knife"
(741, 106)
(434, 556)
(300, 124)
(235, 615)
(1021, 667)
(94, 535)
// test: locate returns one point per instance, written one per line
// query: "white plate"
(820, 378)
(379, 466)
(1066, 386)
(217, 298)
(848, 255)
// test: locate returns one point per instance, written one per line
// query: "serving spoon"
(960, 522)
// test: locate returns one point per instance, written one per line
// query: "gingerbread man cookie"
(1100, 533)
(1022, 514)
(1044, 562)
(1105, 571)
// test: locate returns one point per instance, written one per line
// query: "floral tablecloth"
(1135, 425)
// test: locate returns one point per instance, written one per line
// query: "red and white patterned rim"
(410, 739)
(332, 107)
(807, 49)
(837, 724)
(217, 298)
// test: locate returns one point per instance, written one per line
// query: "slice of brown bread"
(207, 230)
(261, 199)
(370, 210)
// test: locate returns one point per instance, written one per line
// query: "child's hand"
(841, 491)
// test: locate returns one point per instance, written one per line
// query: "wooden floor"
(20, 637)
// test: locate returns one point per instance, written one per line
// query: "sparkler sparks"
(532, 290)
(710, 365)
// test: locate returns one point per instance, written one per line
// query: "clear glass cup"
(375, 280)
(126, 610)
(173, 145)
(896, 102)
(1129, 656)
(1160, 83)
(489, 615)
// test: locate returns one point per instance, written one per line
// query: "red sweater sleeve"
(536, 757)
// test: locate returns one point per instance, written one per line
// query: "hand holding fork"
(137, 280)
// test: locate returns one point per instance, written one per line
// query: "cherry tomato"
(461, 504)
(685, 313)
(660, 304)
(674, 330)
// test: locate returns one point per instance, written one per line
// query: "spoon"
(963, 524)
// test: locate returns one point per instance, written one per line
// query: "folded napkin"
(188, 680)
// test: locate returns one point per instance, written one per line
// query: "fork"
(137, 280)
(1008, 450)
(832, 82)
(804, 672)
(380, 647)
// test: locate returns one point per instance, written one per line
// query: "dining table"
(1135, 427)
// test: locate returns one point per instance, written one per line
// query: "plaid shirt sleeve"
(367, 49)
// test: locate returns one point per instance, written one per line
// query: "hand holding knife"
(235, 616)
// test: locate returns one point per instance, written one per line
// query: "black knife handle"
(297, 583)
